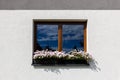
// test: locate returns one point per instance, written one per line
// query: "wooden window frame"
(59, 22)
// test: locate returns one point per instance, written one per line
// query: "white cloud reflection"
(50, 32)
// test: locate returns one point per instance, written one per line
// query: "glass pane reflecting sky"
(73, 36)
(47, 35)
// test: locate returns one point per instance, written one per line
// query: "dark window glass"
(73, 37)
(47, 36)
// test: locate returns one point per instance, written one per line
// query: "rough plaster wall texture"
(16, 45)
(59, 4)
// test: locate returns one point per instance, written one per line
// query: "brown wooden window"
(61, 29)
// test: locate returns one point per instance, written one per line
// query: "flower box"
(59, 62)
(61, 58)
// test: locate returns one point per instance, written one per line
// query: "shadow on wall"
(56, 69)
(94, 66)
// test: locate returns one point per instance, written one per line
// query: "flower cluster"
(45, 53)
(56, 54)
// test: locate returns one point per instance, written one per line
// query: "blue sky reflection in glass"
(47, 35)
(73, 37)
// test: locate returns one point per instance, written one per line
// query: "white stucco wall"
(16, 45)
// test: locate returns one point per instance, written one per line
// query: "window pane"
(73, 37)
(47, 36)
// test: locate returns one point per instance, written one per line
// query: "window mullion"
(60, 37)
